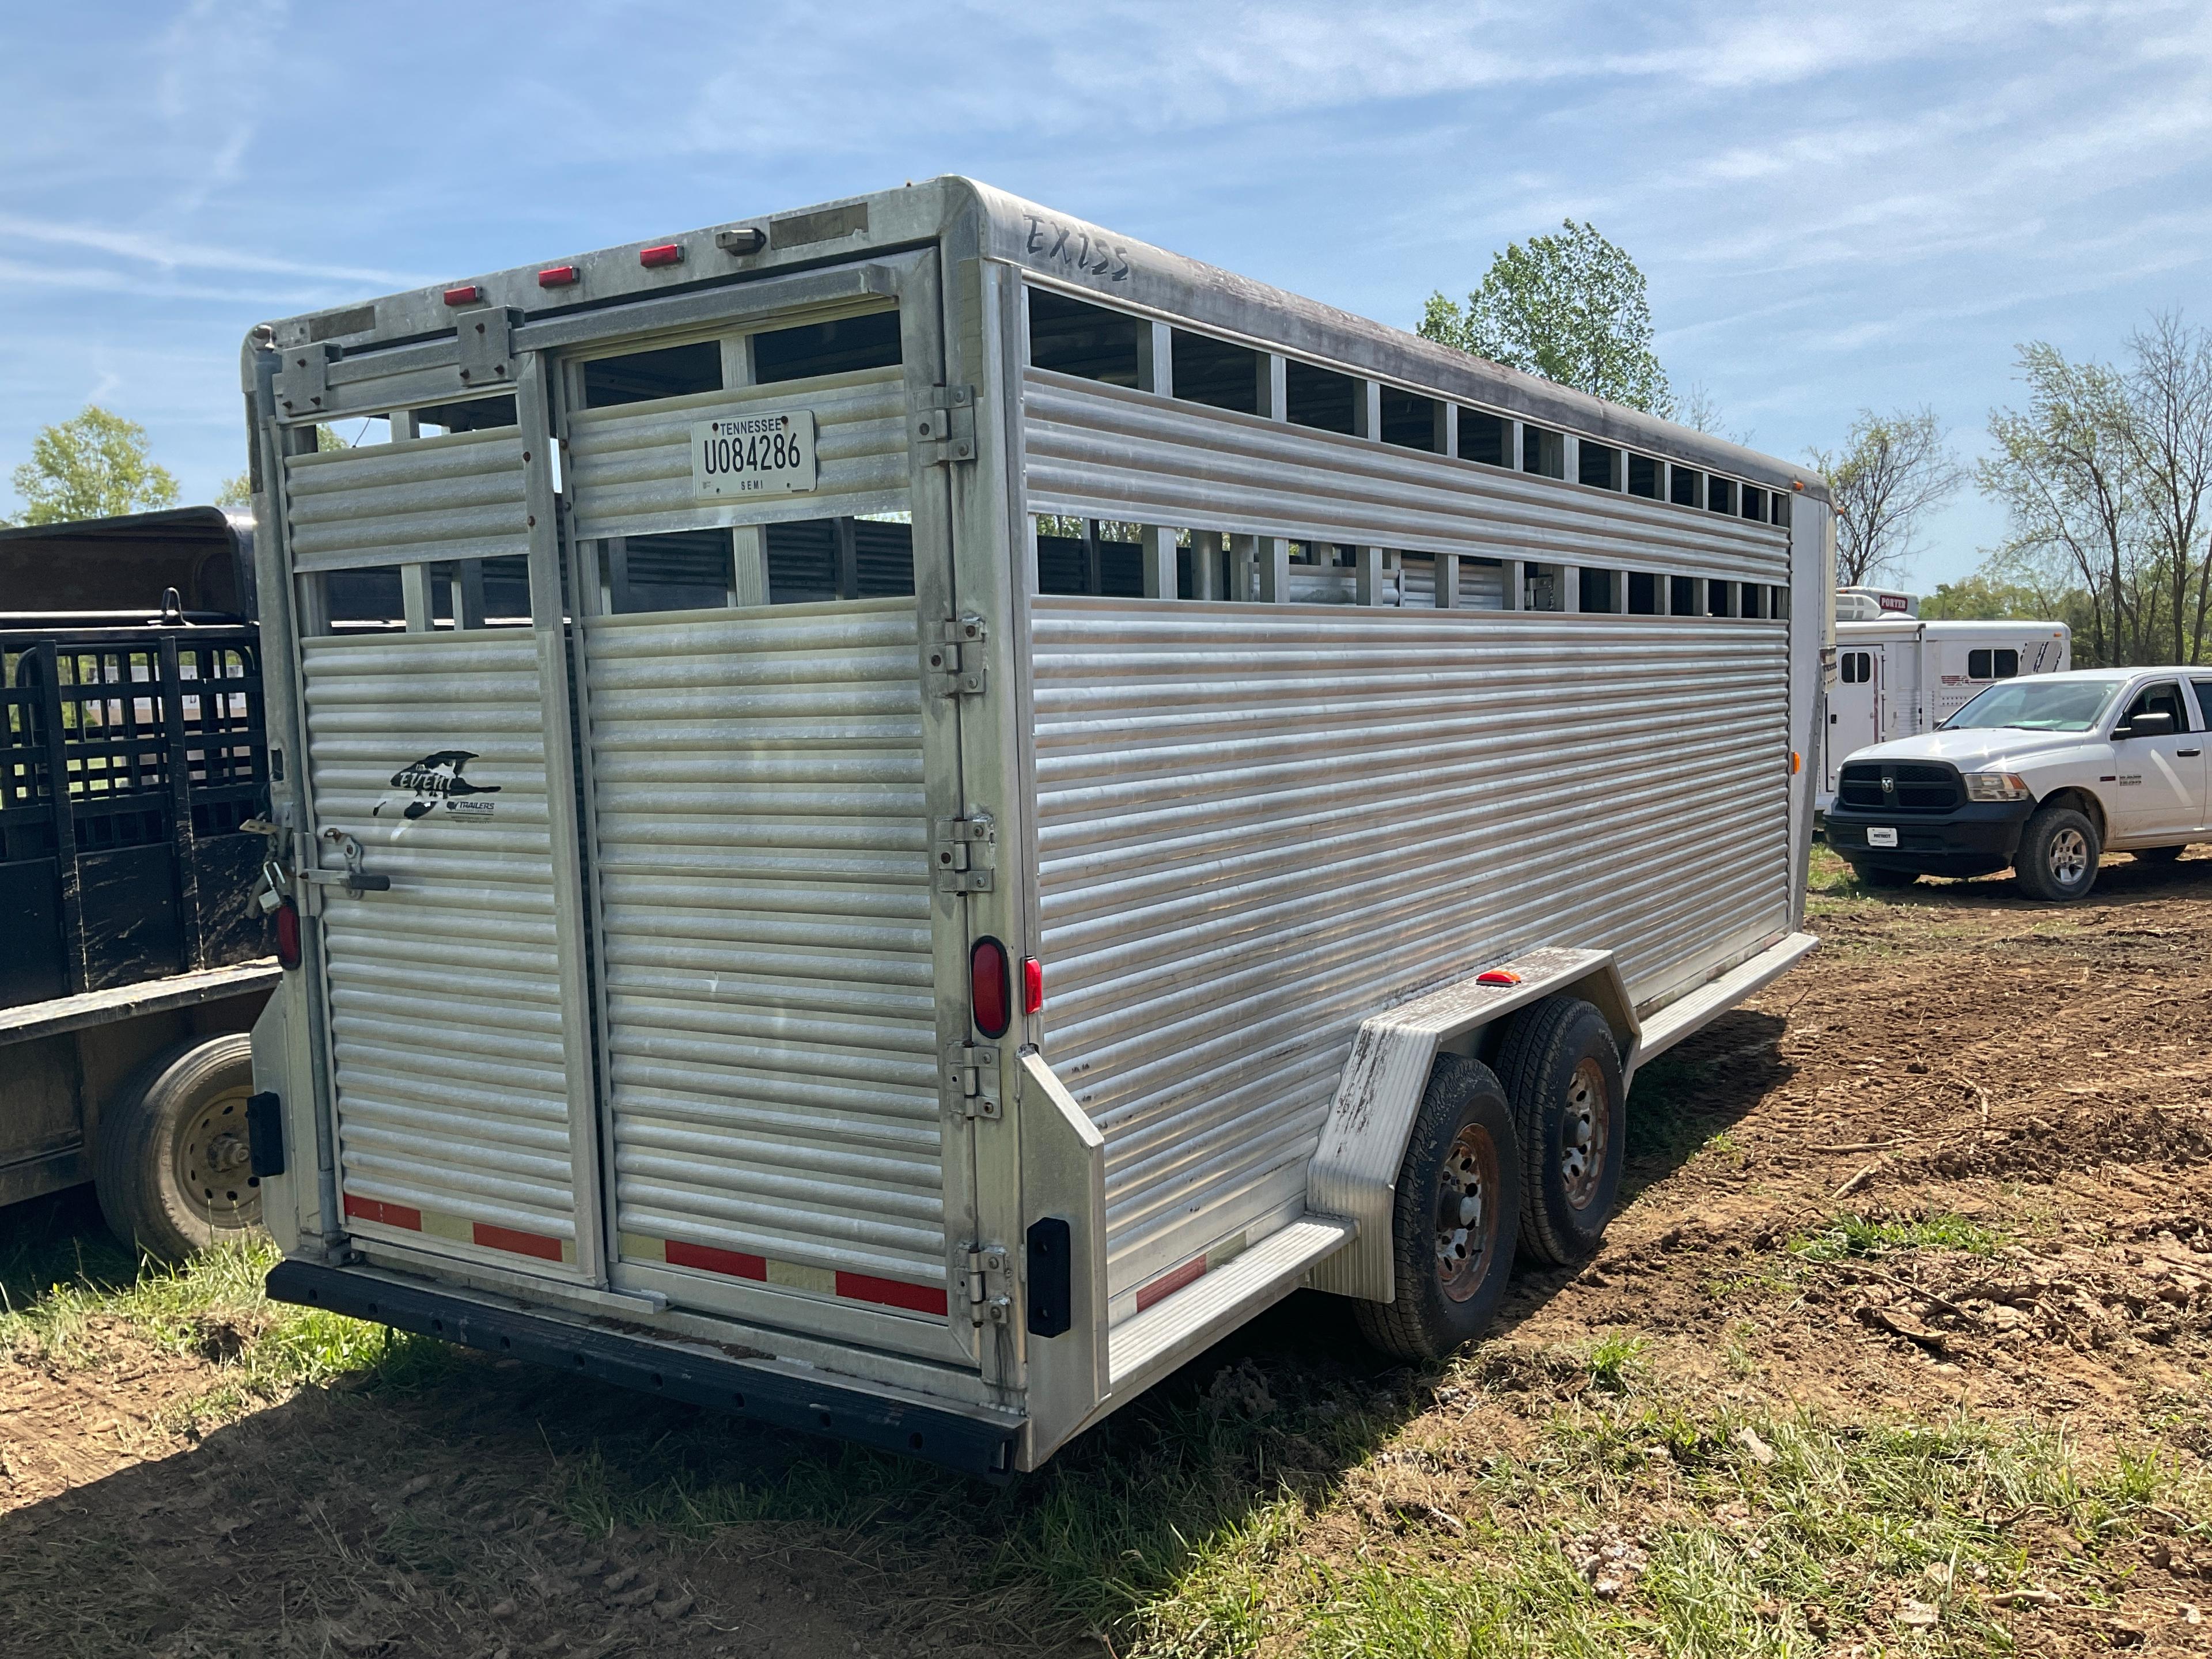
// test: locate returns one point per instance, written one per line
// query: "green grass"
(1613, 1356)
(1857, 1236)
(1757, 1535)
(69, 1296)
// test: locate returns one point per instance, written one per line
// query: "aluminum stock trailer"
(896, 815)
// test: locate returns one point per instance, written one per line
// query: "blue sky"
(1837, 206)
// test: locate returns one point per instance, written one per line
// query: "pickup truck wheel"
(1453, 1219)
(1562, 1071)
(172, 1167)
(2057, 858)
(1873, 875)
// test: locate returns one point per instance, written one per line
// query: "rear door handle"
(2187, 754)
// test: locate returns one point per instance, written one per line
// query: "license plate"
(1878, 836)
(769, 453)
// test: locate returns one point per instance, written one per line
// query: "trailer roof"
(1054, 248)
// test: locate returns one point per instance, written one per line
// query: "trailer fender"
(1354, 1172)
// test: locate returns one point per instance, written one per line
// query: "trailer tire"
(1562, 1070)
(1461, 1157)
(2057, 858)
(171, 1164)
(1873, 875)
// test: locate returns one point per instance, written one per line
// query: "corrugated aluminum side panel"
(764, 887)
(1257, 825)
(631, 465)
(424, 499)
(445, 991)
(1099, 451)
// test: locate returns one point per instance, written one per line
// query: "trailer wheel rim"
(2069, 855)
(1584, 1127)
(1467, 1212)
(213, 1164)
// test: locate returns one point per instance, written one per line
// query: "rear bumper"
(974, 1443)
(1972, 839)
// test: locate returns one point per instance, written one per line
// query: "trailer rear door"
(648, 1001)
(758, 758)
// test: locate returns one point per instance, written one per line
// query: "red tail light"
(668, 254)
(557, 276)
(467, 294)
(990, 994)
(287, 934)
(1032, 986)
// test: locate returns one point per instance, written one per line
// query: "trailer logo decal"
(437, 779)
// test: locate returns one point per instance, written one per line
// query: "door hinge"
(486, 340)
(965, 851)
(990, 1287)
(945, 425)
(971, 1075)
(304, 382)
(948, 674)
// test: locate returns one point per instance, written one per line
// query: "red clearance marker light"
(557, 276)
(287, 934)
(668, 254)
(467, 295)
(1032, 986)
(989, 994)
(1499, 976)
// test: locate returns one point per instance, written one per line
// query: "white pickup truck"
(2044, 774)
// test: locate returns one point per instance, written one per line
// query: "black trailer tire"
(1873, 875)
(1461, 1176)
(171, 1166)
(1562, 1071)
(2057, 858)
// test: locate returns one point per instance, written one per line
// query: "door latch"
(354, 879)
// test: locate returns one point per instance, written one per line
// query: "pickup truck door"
(2160, 784)
(2203, 690)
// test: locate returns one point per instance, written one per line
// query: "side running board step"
(1147, 1345)
(1689, 1014)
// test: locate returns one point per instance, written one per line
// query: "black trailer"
(133, 959)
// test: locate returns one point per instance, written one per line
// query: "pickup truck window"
(2037, 706)
(2204, 699)
(2162, 698)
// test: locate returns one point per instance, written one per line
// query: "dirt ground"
(1957, 1167)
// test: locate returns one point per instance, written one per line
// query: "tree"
(2169, 433)
(92, 466)
(1570, 307)
(2067, 474)
(1891, 472)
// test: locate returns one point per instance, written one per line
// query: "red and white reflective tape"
(1163, 1286)
(459, 1229)
(789, 1275)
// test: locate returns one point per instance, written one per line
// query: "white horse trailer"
(897, 816)
(1898, 678)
